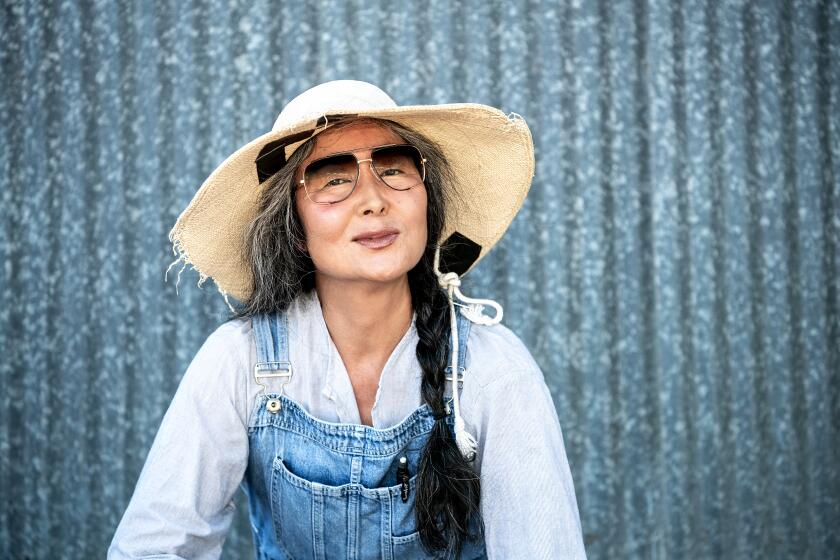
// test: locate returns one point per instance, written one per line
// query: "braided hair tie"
(440, 416)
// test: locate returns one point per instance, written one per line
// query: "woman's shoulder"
(234, 335)
(495, 352)
(234, 328)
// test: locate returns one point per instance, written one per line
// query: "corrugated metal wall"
(674, 270)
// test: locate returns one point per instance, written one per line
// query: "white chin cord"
(472, 311)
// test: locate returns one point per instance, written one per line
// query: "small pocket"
(409, 546)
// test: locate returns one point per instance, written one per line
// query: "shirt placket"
(338, 390)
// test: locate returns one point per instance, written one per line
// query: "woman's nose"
(369, 189)
(367, 174)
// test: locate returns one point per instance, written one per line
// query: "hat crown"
(337, 96)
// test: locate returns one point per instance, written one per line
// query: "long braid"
(448, 489)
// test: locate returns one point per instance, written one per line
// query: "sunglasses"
(333, 178)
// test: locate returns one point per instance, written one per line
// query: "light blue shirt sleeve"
(182, 506)
(527, 493)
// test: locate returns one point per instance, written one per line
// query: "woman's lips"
(378, 242)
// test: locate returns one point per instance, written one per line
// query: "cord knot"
(449, 279)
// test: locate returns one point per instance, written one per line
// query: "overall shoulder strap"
(271, 334)
(464, 325)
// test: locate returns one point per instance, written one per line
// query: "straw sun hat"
(492, 159)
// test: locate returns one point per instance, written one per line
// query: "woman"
(328, 396)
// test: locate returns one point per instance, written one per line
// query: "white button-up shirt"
(182, 506)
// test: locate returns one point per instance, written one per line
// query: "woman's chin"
(384, 270)
(371, 266)
(379, 263)
(383, 276)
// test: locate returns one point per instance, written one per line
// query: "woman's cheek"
(322, 249)
(326, 225)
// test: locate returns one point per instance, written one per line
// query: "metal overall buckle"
(264, 370)
(461, 371)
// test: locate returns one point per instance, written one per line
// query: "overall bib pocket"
(310, 518)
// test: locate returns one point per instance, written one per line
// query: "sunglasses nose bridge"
(376, 176)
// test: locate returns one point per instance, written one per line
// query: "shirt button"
(273, 405)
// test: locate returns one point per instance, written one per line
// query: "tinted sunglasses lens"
(331, 179)
(400, 167)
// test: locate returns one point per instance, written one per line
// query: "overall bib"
(323, 490)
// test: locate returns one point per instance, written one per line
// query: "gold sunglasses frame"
(302, 183)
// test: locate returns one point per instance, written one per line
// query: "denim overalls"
(324, 490)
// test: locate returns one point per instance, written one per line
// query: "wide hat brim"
(491, 155)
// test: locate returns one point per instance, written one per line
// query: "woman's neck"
(365, 321)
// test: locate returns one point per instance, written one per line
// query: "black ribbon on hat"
(272, 156)
(458, 253)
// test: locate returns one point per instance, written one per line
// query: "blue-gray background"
(674, 269)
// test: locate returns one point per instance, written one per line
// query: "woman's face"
(331, 229)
